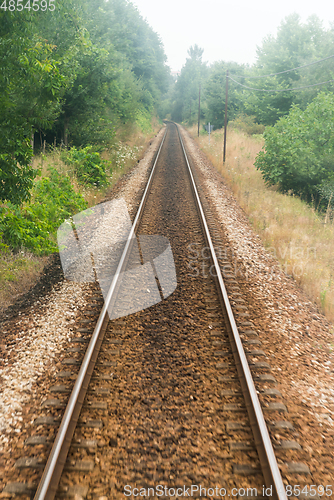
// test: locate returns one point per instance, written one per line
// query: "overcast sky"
(226, 30)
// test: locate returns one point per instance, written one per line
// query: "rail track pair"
(48, 485)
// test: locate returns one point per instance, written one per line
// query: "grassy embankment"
(19, 269)
(300, 238)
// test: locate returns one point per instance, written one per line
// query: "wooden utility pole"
(199, 108)
(65, 131)
(32, 146)
(225, 118)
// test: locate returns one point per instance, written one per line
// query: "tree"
(120, 73)
(31, 88)
(193, 74)
(298, 154)
(119, 24)
(76, 73)
(295, 45)
(216, 93)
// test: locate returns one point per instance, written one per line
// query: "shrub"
(143, 120)
(57, 193)
(34, 224)
(247, 124)
(298, 153)
(16, 173)
(88, 166)
(3, 247)
(22, 227)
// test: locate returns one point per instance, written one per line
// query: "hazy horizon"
(225, 32)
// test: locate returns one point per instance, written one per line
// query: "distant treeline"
(295, 45)
(296, 114)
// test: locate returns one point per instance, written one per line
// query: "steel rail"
(48, 484)
(269, 466)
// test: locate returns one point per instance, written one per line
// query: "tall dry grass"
(292, 230)
(17, 273)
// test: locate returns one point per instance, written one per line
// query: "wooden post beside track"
(225, 118)
(199, 108)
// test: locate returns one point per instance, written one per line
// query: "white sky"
(228, 31)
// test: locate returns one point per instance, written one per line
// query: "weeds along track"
(177, 394)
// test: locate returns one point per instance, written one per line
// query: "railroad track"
(169, 395)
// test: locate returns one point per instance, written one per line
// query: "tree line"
(296, 44)
(298, 155)
(72, 75)
(75, 74)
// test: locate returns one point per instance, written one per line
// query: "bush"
(22, 227)
(247, 124)
(298, 153)
(16, 173)
(88, 166)
(143, 120)
(34, 224)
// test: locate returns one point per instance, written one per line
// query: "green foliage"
(31, 87)
(88, 166)
(143, 120)
(120, 69)
(74, 73)
(326, 189)
(22, 227)
(34, 225)
(57, 190)
(186, 91)
(247, 124)
(298, 153)
(215, 94)
(30, 80)
(16, 173)
(3, 247)
(267, 107)
(295, 45)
